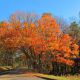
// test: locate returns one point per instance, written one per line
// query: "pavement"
(19, 77)
(18, 74)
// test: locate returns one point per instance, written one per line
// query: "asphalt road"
(17, 74)
(9, 77)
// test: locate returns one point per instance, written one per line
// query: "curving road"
(19, 77)
(17, 74)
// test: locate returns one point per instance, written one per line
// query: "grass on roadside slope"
(4, 68)
(52, 77)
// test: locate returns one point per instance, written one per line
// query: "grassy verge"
(51, 77)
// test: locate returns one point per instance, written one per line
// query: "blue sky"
(61, 8)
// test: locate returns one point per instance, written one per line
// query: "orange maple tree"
(37, 38)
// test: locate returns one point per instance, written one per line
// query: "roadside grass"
(52, 77)
(3, 68)
(75, 77)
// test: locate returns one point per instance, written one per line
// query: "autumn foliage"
(37, 38)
